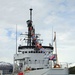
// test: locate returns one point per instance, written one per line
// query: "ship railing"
(62, 65)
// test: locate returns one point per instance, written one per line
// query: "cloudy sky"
(59, 14)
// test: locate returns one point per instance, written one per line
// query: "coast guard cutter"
(35, 59)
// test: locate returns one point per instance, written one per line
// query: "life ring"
(27, 69)
(57, 66)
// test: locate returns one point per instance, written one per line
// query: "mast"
(31, 14)
(29, 24)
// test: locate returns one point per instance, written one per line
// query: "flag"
(53, 57)
(54, 36)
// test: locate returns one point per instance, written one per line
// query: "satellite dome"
(6, 67)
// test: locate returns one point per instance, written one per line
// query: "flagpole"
(52, 35)
(16, 39)
(55, 47)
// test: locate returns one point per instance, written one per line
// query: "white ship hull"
(47, 72)
(37, 72)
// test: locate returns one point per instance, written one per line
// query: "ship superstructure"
(35, 59)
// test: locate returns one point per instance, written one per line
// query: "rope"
(44, 72)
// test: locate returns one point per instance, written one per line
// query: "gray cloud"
(47, 13)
